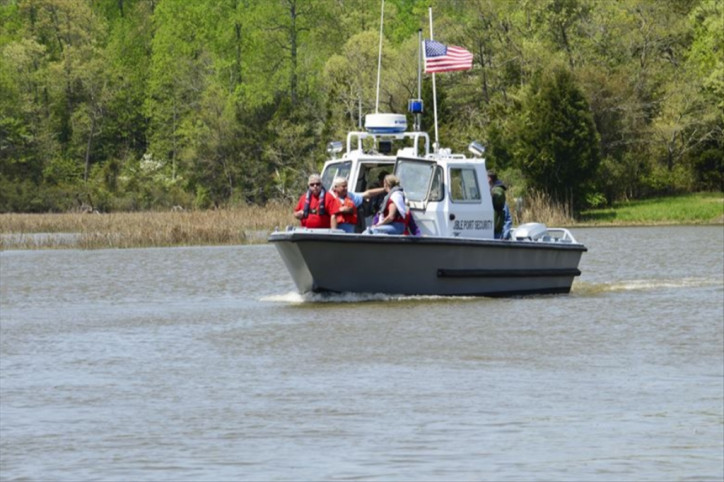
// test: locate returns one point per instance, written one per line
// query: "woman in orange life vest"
(344, 213)
(314, 207)
(394, 219)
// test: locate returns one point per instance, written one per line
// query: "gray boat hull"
(331, 262)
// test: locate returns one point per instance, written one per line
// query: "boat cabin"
(448, 194)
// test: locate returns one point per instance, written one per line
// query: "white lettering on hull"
(472, 224)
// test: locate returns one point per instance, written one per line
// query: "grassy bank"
(245, 225)
(699, 208)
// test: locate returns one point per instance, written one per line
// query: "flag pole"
(418, 115)
(379, 59)
(419, 63)
(434, 92)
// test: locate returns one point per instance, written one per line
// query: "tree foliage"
(556, 143)
(137, 104)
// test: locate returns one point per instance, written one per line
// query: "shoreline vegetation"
(252, 224)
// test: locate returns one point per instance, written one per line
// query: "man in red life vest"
(345, 210)
(314, 207)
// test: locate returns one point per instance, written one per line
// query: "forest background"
(128, 105)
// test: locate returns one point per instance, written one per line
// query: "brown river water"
(202, 364)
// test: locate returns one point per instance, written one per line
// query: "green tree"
(556, 145)
(179, 71)
(706, 66)
(134, 104)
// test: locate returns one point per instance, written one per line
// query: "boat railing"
(420, 140)
(559, 235)
(447, 154)
(541, 233)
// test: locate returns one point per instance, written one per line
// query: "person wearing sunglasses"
(314, 207)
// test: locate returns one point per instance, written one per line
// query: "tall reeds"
(250, 224)
(540, 208)
(143, 229)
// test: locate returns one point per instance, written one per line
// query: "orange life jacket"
(348, 218)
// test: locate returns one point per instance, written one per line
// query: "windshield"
(414, 177)
(333, 170)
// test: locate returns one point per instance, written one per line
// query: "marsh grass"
(247, 225)
(242, 225)
(540, 208)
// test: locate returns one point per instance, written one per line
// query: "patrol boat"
(449, 197)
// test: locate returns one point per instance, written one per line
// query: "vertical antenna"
(419, 63)
(379, 59)
(418, 116)
(434, 91)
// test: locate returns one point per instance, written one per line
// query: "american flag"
(440, 58)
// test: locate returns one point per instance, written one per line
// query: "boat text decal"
(473, 224)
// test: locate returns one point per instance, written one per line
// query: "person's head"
(340, 186)
(492, 177)
(391, 181)
(315, 183)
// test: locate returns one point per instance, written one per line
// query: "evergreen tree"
(556, 144)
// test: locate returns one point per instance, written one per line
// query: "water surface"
(203, 364)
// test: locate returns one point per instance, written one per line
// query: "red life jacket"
(409, 222)
(398, 217)
(348, 218)
(316, 215)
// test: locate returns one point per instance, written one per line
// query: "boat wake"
(296, 298)
(644, 285)
(579, 288)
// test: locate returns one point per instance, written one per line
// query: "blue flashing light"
(415, 106)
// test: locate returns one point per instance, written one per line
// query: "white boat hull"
(327, 261)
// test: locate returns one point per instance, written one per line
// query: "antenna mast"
(434, 93)
(379, 59)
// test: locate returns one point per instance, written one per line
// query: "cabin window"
(333, 170)
(437, 188)
(369, 174)
(464, 185)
